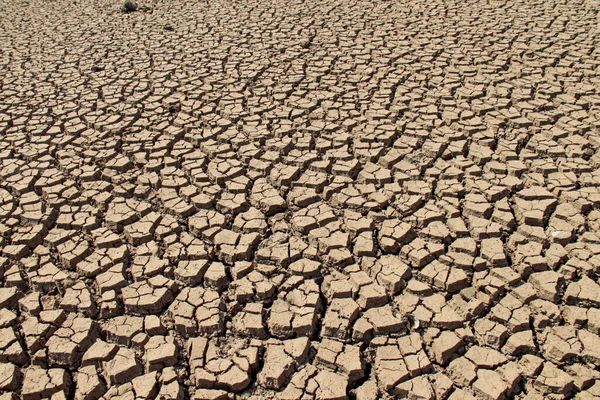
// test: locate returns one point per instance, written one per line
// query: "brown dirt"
(320, 199)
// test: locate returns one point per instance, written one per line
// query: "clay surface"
(304, 199)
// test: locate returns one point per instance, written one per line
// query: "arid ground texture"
(304, 199)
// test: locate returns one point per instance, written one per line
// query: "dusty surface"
(299, 200)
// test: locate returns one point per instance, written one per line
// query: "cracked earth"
(318, 199)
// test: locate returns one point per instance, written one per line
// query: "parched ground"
(319, 199)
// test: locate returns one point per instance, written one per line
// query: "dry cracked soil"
(303, 199)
